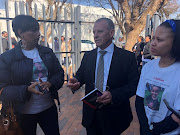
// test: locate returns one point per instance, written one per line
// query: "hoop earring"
(23, 44)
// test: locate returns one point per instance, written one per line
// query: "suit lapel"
(93, 63)
(115, 58)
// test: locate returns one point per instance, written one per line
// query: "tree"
(30, 7)
(130, 15)
(55, 4)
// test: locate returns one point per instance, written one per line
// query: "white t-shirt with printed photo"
(37, 103)
(156, 84)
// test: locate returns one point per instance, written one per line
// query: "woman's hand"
(175, 118)
(45, 85)
(32, 88)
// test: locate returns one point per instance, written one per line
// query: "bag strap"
(10, 106)
(1, 91)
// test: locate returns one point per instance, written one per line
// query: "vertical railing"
(78, 35)
(156, 22)
(148, 26)
(72, 43)
(52, 28)
(45, 28)
(66, 44)
(8, 24)
(72, 31)
(59, 34)
(1, 48)
(77, 31)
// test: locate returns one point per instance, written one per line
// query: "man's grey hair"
(109, 22)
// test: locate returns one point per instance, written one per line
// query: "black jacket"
(146, 51)
(16, 74)
(122, 80)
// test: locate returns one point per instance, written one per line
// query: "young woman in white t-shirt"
(163, 73)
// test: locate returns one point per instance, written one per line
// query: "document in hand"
(91, 97)
(172, 109)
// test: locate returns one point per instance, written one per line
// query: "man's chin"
(98, 45)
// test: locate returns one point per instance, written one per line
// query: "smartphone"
(39, 87)
(172, 109)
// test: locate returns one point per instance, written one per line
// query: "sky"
(82, 2)
(2, 5)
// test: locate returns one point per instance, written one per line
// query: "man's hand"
(73, 84)
(32, 88)
(106, 98)
(175, 118)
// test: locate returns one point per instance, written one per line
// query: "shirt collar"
(109, 49)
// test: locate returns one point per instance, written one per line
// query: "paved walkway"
(71, 114)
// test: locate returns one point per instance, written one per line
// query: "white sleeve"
(141, 85)
(177, 99)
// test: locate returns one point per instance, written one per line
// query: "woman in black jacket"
(30, 76)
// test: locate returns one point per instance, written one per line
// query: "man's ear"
(20, 33)
(112, 32)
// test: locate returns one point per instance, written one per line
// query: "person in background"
(56, 44)
(42, 41)
(5, 43)
(164, 73)
(30, 76)
(118, 43)
(112, 67)
(63, 49)
(123, 43)
(146, 55)
(137, 48)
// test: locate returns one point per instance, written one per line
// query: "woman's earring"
(24, 44)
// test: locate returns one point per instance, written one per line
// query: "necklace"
(167, 63)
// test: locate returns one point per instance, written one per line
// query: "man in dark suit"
(5, 43)
(120, 75)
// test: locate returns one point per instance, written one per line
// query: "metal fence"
(69, 27)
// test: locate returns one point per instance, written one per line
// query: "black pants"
(48, 121)
(101, 127)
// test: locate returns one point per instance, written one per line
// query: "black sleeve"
(143, 121)
(57, 79)
(165, 126)
(11, 93)
(80, 72)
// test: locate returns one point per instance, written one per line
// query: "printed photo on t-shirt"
(153, 95)
(39, 70)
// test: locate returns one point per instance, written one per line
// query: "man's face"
(6, 35)
(102, 34)
(147, 39)
(139, 39)
(43, 39)
(62, 38)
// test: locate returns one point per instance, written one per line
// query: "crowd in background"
(107, 68)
